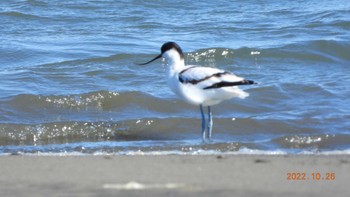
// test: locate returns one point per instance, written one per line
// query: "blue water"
(69, 82)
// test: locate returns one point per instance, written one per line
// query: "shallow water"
(69, 83)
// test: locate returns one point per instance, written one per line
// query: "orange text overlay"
(314, 176)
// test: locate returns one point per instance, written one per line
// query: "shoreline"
(175, 175)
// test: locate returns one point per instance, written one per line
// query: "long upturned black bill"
(159, 56)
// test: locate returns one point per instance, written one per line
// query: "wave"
(146, 129)
(107, 59)
(317, 51)
(99, 100)
(32, 108)
(314, 142)
(303, 51)
(20, 15)
(149, 135)
(57, 123)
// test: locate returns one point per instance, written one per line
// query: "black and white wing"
(210, 78)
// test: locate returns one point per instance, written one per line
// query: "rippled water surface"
(69, 82)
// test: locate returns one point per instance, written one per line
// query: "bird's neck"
(173, 68)
(174, 60)
(175, 65)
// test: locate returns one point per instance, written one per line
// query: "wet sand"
(174, 175)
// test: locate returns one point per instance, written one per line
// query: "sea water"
(69, 83)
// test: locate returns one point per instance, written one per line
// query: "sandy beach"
(174, 175)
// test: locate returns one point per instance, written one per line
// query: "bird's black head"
(171, 45)
(166, 47)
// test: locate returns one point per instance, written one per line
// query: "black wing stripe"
(227, 84)
(184, 70)
(195, 81)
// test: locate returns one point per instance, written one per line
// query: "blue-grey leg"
(203, 122)
(210, 123)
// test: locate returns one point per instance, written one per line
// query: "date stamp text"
(314, 176)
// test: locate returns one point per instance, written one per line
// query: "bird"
(200, 86)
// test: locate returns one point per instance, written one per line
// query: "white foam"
(133, 185)
(241, 151)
